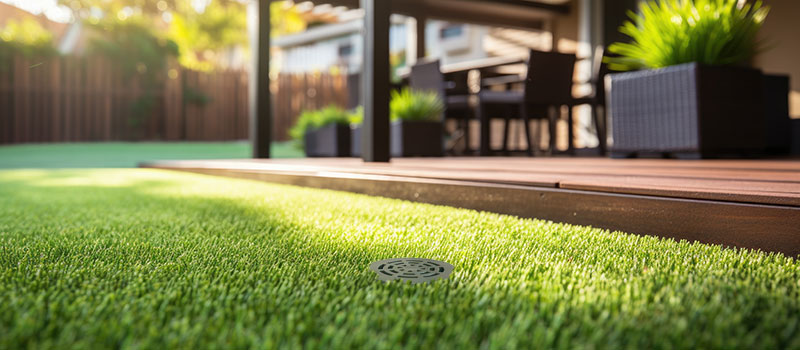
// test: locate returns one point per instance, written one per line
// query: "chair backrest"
(458, 83)
(427, 77)
(353, 90)
(549, 78)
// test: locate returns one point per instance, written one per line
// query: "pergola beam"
(557, 8)
(523, 14)
(414, 8)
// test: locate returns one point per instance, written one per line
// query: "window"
(451, 31)
(345, 50)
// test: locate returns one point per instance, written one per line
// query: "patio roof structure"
(526, 14)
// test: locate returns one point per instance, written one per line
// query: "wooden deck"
(742, 203)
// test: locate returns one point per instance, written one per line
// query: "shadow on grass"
(310, 269)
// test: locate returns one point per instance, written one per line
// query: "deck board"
(745, 203)
(723, 181)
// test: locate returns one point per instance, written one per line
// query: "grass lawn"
(126, 154)
(154, 259)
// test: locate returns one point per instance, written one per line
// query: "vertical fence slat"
(21, 91)
(6, 104)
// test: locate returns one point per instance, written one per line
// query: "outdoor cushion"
(501, 96)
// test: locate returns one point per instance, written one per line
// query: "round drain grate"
(411, 269)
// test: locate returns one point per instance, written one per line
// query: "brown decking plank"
(717, 174)
(316, 167)
(769, 165)
(733, 191)
(765, 227)
(544, 166)
(733, 185)
(534, 164)
(746, 191)
(615, 167)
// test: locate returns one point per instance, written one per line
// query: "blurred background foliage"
(26, 37)
(134, 47)
(146, 39)
(205, 33)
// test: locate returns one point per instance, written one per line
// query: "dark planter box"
(416, 139)
(409, 139)
(688, 110)
(778, 126)
(795, 138)
(355, 138)
(328, 141)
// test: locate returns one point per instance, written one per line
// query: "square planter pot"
(688, 111)
(328, 141)
(355, 141)
(795, 137)
(416, 139)
(409, 139)
(778, 122)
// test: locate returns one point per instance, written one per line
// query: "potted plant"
(416, 126)
(356, 119)
(323, 133)
(416, 129)
(690, 91)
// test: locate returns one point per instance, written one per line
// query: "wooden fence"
(294, 93)
(68, 99)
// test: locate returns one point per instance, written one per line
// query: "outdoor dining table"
(481, 65)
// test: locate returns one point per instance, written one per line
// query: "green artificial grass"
(126, 154)
(147, 259)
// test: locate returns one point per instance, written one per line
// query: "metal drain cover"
(414, 270)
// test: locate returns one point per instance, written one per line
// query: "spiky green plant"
(357, 117)
(313, 119)
(411, 105)
(670, 32)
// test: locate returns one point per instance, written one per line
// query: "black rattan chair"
(454, 92)
(597, 100)
(547, 85)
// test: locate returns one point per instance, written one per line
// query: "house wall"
(464, 47)
(780, 33)
(9, 12)
(566, 29)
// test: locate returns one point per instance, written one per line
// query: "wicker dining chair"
(547, 85)
(453, 90)
(596, 99)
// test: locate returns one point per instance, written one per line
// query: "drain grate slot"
(415, 270)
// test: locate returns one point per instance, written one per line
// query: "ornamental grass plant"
(314, 119)
(671, 32)
(412, 105)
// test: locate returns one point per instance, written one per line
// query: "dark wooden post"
(260, 104)
(420, 28)
(375, 81)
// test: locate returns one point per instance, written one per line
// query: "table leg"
(484, 147)
(551, 125)
(570, 131)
